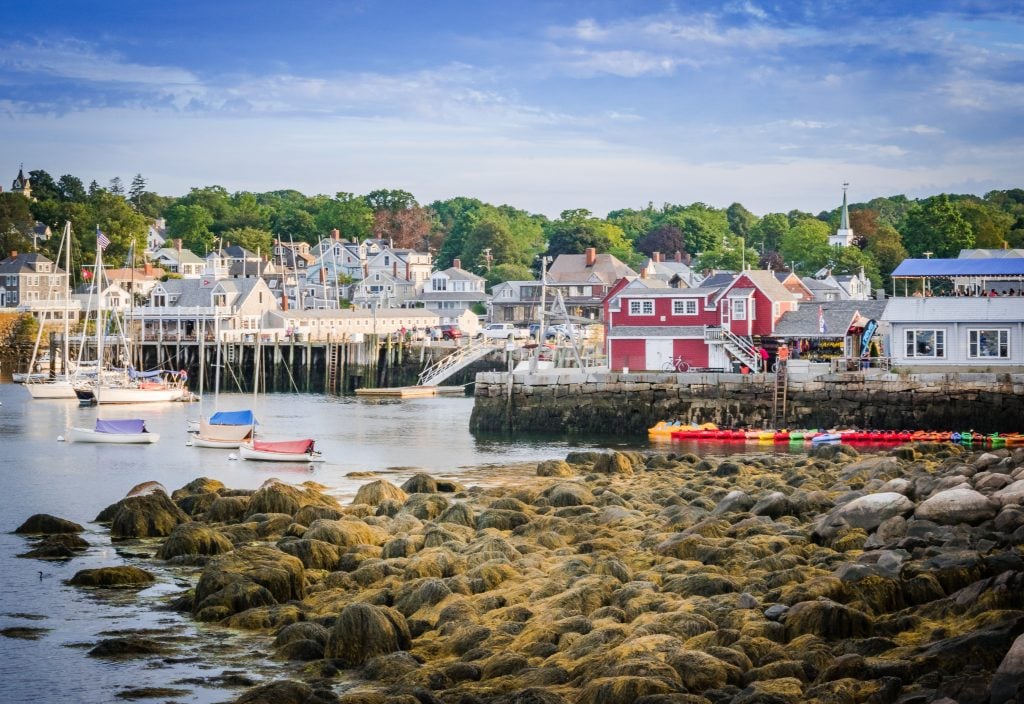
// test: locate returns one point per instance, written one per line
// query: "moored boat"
(225, 430)
(117, 432)
(280, 451)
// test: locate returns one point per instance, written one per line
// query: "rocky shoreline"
(607, 578)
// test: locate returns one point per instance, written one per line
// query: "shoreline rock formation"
(613, 578)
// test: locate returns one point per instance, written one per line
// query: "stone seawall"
(627, 404)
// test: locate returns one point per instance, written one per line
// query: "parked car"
(502, 331)
(447, 332)
(554, 331)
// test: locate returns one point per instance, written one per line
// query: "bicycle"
(676, 364)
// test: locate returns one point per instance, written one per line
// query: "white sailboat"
(43, 386)
(123, 386)
(132, 431)
(300, 450)
(223, 429)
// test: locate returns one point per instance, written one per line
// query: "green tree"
(489, 238)
(70, 188)
(191, 224)
(253, 239)
(43, 187)
(634, 223)
(123, 226)
(390, 200)
(741, 221)
(936, 226)
(349, 213)
(507, 272)
(990, 226)
(406, 229)
(805, 245)
(730, 254)
(767, 233)
(453, 219)
(16, 223)
(293, 224)
(576, 231)
(703, 228)
(853, 260)
(886, 246)
(115, 186)
(136, 189)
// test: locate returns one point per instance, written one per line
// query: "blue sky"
(545, 106)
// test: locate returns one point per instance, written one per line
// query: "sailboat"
(42, 386)
(126, 385)
(301, 450)
(131, 431)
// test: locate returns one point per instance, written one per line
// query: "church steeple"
(844, 235)
(22, 184)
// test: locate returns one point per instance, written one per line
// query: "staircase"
(461, 358)
(742, 348)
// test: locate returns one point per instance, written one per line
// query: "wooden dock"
(412, 392)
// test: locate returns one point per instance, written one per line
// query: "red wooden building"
(648, 325)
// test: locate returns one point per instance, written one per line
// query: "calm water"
(39, 474)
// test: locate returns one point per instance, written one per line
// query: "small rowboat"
(115, 432)
(282, 451)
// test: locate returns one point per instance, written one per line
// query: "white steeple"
(844, 235)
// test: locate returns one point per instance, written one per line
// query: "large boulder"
(150, 515)
(247, 578)
(123, 576)
(194, 539)
(45, 524)
(569, 494)
(363, 631)
(202, 485)
(614, 463)
(1010, 494)
(866, 512)
(375, 492)
(1008, 681)
(315, 554)
(276, 497)
(960, 504)
(228, 509)
(286, 692)
(826, 619)
(420, 483)
(345, 533)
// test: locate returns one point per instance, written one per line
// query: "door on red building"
(659, 353)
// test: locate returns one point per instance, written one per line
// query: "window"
(739, 309)
(641, 306)
(926, 343)
(159, 300)
(687, 306)
(989, 343)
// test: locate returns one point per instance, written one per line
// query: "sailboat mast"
(67, 298)
(100, 332)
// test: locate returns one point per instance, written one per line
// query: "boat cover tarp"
(917, 268)
(233, 418)
(121, 427)
(209, 431)
(134, 373)
(290, 446)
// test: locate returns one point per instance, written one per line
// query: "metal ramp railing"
(461, 358)
(742, 348)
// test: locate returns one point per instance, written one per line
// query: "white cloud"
(78, 60)
(923, 130)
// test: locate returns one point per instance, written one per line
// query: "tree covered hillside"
(502, 242)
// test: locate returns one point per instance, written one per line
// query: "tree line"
(503, 243)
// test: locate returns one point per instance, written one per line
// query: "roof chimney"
(591, 256)
(643, 273)
(177, 244)
(457, 263)
(284, 301)
(335, 234)
(14, 253)
(147, 268)
(679, 257)
(656, 257)
(394, 268)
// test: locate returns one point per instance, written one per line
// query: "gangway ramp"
(458, 360)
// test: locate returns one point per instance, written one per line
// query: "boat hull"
(248, 452)
(57, 389)
(215, 443)
(89, 435)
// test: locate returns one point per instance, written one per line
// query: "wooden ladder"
(780, 394)
(333, 357)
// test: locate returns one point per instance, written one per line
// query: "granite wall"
(627, 404)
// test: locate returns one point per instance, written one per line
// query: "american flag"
(822, 328)
(101, 240)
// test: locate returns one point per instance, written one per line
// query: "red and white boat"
(280, 451)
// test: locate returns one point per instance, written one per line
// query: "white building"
(844, 235)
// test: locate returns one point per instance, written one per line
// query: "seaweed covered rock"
(420, 483)
(150, 515)
(246, 578)
(194, 539)
(826, 619)
(375, 492)
(277, 497)
(122, 576)
(45, 524)
(363, 631)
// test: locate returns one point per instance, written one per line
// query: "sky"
(545, 106)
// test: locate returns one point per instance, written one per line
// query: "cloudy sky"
(542, 105)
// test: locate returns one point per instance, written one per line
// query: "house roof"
(136, 274)
(769, 285)
(990, 253)
(183, 256)
(472, 296)
(25, 263)
(718, 280)
(190, 293)
(460, 274)
(572, 268)
(943, 309)
(838, 315)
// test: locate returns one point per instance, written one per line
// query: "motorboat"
(280, 451)
(117, 432)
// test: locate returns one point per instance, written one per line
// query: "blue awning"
(918, 268)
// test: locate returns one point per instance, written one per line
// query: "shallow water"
(39, 474)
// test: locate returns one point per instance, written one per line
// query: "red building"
(648, 324)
